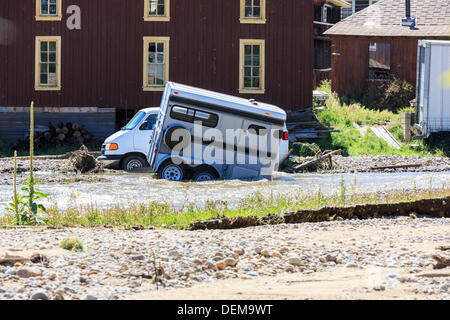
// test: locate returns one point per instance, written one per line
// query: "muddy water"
(125, 189)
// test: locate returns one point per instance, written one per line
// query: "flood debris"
(82, 161)
(322, 160)
(441, 262)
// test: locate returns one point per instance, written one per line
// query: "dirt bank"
(427, 207)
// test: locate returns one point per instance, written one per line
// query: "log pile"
(70, 134)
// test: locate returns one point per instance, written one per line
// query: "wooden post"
(406, 124)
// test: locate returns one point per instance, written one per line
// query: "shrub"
(395, 94)
(73, 244)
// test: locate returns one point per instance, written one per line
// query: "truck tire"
(204, 174)
(171, 171)
(185, 140)
(134, 161)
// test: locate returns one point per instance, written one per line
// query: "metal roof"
(230, 102)
(383, 19)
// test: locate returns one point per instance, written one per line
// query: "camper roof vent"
(253, 101)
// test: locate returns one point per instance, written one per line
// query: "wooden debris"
(443, 248)
(51, 136)
(326, 157)
(305, 126)
(400, 166)
(11, 258)
(441, 262)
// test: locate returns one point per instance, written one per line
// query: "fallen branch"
(441, 262)
(443, 248)
(433, 275)
(400, 166)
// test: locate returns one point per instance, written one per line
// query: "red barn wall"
(102, 63)
(350, 62)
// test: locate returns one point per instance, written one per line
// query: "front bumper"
(105, 157)
(109, 158)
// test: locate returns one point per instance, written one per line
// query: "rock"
(391, 276)
(295, 261)
(351, 265)
(239, 252)
(284, 250)
(138, 257)
(11, 271)
(323, 259)
(258, 250)
(39, 295)
(197, 261)
(230, 262)
(51, 276)
(379, 288)
(253, 274)
(58, 297)
(276, 254)
(289, 269)
(90, 297)
(265, 253)
(221, 265)
(29, 272)
(331, 257)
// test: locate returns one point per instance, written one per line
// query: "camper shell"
(206, 120)
(433, 87)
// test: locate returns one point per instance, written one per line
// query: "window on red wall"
(379, 60)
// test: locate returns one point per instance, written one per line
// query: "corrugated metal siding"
(102, 62)
(351, 67)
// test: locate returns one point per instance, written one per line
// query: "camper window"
(260, 131)
(191, 115)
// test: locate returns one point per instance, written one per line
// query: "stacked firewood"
(71, 134)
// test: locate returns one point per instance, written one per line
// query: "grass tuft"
(73, 244)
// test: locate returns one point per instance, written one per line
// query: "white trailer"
(433, 87)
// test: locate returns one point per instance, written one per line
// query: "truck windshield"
(135, 121)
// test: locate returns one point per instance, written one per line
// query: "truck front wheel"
(133, 162)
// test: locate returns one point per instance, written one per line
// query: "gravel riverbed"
(388, 258)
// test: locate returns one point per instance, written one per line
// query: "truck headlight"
(112, 146)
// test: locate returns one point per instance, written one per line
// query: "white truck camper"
(433, 87)
(146, 139)
(204, 135)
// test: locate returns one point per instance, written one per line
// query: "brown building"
(326, 14)
(372, 45)
(105, 58)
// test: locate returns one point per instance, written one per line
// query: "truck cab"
(131, 145)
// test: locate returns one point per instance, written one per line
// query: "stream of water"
(126, 189)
